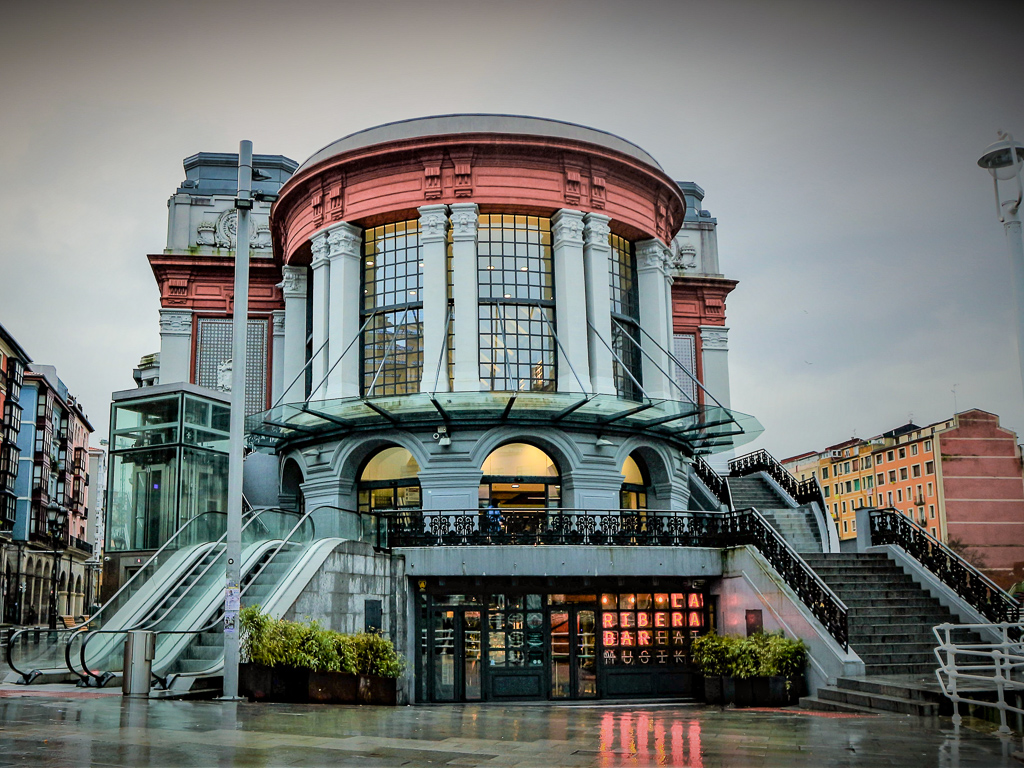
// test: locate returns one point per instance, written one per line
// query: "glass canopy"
(697, 428)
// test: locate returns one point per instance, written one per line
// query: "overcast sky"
(836, 142)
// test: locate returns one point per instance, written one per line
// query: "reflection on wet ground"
(109, 731)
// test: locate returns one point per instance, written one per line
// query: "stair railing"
(714, 481)
(890, 526)
(801, 491)
(981, 666)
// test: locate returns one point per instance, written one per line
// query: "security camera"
(445, 440)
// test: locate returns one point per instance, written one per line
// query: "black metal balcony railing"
(714, 481)
(81, 545)
(890, 526)
(622, 527)
(802, 491)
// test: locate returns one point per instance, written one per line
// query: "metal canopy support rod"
(444, 348)
(301, 373)
(239, 324)
(622, 365)
(568, 359)
(327, 375)
(326, 416)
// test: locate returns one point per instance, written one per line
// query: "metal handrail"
(149, 621)
(31, 675)
(988, 666)
(712, 480)
(801, 491)
(890, 526)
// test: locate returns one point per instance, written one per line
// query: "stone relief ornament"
(433, 224)
(597, 233)
(319, 249)
(464, 223)
(651, 254)
(176, 322)
(293, 283)
(568, 228)
(206, 233)
(223, 233)
(343, 241)
(685, 258)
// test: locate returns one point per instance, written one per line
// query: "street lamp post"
(1003, 161)
(56, 516)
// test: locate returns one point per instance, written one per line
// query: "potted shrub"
(761, 670)
(303, 662)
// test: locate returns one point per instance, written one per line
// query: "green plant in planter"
(281, 643)
(760, 655)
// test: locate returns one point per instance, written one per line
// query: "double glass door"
(573, 652)
(456, 654)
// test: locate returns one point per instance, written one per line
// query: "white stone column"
(570, 301)
(277, 381)
(434, 254)
(175, 345)
(655, 284)
(714, 342)
(293, 359)
(321, 314)
(344, 249)
(596, 255)
(464, 220)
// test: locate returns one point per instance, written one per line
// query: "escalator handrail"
(85, 625)
(252, 516)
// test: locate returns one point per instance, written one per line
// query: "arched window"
(291, 487)
(634, 487)
(389, 481)
(520, 475)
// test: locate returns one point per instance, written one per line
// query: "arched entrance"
(634, 487)
(522, 476)
(389, 481)
(291, 487)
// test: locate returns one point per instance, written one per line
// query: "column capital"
(293, 282)
(652, 254)
(343, 239)
(596, 230)
(319, 250)
(433, 222)
(567, 228)
(465, 217)
(175, 322)
(278, 320)
(714, 337)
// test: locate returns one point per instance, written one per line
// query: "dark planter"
(302, 686)
(753, 691)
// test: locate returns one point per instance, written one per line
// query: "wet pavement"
(84, 728)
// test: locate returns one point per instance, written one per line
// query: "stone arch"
(351, 455)
(563, 451)
(292, 477)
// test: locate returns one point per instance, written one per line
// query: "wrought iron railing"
(714, 481)
(801, 491)
(890, 526)
(623, 527)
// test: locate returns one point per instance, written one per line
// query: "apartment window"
(929, 467)
(869, 481)
(903, 473)
(878, 460)
(880, 479)
(889, 456)
(846, 467)
(835, 508)
(838, 488)
(930, 489)
(825, 491)
(892, 475)
(856, 485)
(824, 473)
(935, 535)
(913, 450)
(853, 525)
(931, 511)
(903, 453)
(845, 529)
(867, 462)
(916, 470)
(856, 464)
(899, 495)
(927, 445)
(919, 494)
(844, 507)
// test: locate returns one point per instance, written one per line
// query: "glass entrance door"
(456, 655)
(573, 653)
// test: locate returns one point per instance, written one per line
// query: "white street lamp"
(1003, 160)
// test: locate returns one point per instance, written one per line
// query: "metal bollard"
(139, 650)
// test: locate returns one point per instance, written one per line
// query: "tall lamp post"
(56, 516)
(1003, 161)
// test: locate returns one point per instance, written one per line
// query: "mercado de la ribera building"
(487, 360)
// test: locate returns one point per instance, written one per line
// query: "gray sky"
(836, 141)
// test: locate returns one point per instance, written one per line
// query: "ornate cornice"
(714, 337)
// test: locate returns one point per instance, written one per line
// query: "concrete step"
(883, 687)
(904, 668)
(815, 704)
(880, 702)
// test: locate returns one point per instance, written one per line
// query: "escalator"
(281, 551)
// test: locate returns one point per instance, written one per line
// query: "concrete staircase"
(890, 623)
(797, 526)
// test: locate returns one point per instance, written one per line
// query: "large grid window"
(684, 349)
(213, 360)
(393, 296)
(625, 308)
(517, 302)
